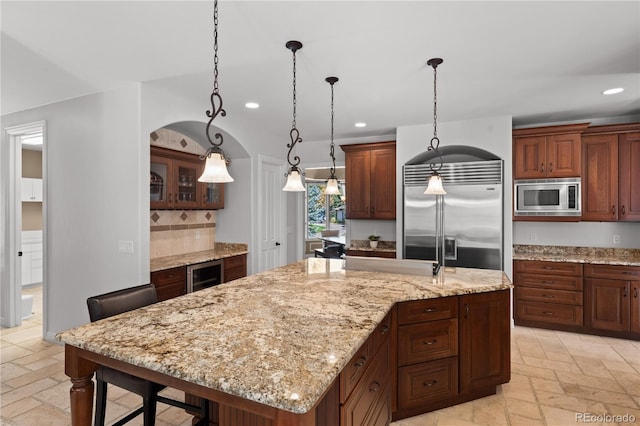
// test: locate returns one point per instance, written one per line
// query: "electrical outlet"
(616, 239)
(533, 236)
(197, 235)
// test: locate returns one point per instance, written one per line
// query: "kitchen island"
(272, 344)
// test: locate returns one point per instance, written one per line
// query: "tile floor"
(555, 376)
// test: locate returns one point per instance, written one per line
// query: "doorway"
(24, 291)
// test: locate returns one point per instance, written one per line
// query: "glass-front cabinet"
(174, 182)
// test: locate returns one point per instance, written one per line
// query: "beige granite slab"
(220, 251)
(595, 255)
(279, 337)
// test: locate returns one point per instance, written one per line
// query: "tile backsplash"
(181, 231)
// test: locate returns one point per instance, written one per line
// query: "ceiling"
(540, 62)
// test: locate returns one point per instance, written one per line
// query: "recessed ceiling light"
(361, 124)
(613, 91)
(252, 105)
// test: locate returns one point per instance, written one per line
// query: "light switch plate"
(125, 246)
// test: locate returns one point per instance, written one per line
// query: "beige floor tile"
(545, 385)
(555, 416)
(515, 420)
(13, 352)
(592, 367)
(491, 410)
(593, 382)
(567, 402)
(629, 381)
(23, 335)
(460, 411)
(519, 388)
(58, 396)
(27, 391)
(19, 407)
(523, 409)
(27, 376)
(532, 371)
(598, 395)
(558, 366)
(10, 371)
(45, 415)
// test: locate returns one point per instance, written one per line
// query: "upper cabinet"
(547, 152)
(370, 174)
(31, 190)
(611, 173)
(174, 182)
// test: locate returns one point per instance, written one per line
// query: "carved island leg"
(81, 394)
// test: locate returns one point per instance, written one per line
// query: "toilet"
(27, 306)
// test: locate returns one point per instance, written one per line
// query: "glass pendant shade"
(215, 170)
(332, 187)
(435, 185)
(294, 182)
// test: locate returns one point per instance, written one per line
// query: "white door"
(272, 214)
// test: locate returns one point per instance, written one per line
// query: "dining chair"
(117, 302)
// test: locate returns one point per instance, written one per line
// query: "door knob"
(277, 244)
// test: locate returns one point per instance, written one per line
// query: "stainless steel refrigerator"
(473, 208)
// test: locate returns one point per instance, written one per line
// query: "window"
(324, 212)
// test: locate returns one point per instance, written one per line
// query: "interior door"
(272, 214)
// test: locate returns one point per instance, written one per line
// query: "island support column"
(81, 372)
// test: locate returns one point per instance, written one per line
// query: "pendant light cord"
(294, 134)
(332, 151)
(215, 98)
(435, 141)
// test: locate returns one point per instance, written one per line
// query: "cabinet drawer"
(170, 290)
(616, 272)
(169, 276)
(354, 370)
(551, 282)
(234, 273)
(549, 296)
(235, 261)
(423, 383)
(427, 341)
(549, 313)
(427, 310)
(548, 268)
(381, 333)
(370, 402)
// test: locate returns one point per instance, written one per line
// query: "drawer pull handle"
(429, 310)
(623, 211)
(171, 275)
(547, 312)
(547, 282)
(361, 361)
(430, 383)
(635, 292)
(624, 294)
(629, 273)
(375, 387)
(548, 268)
(613, 209)
(548, 296)
(384, 330)
(431, 342)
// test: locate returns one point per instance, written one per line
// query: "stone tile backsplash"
(176, 232)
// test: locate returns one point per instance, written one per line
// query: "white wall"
(93, 162)
(492, 134)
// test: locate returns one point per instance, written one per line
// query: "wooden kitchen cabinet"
(611, 173)
(613, 299)
(370, 174)
(485, 341)
(170, 283)
(547, 152)
(234, 267)
(548, 294)
(174, 182)
(371, 253)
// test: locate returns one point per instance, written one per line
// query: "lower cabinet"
(170, 283)
(613, 299)
(234, 267)
(371, 253)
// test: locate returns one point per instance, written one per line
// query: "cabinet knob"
(384, 329)
(623, 210)
(361, 361)
(466, 310)
(547, 282)
(431, 342)
(430, 383)
(375, 387)
(547, 313)
(635, 292)
(613, 209)
(624, 293)
(542, 167)
(550, 167)
(429, 310)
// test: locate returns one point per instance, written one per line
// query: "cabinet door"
(185, 177)
(485, 352)
(600, 177)
(607, 304)
(529, 157)
(358, 184)
(629, 172)
(212, 195)
(563, 155)
(383, 183)
(160, 193)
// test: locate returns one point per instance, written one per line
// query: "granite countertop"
(220, 251)
(595, 255)
(363, 245)
(279, 337)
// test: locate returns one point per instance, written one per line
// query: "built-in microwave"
(547, 197)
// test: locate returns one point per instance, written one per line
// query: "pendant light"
(435, 181)
(215, 168)
(332, 182)
(294, 177)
